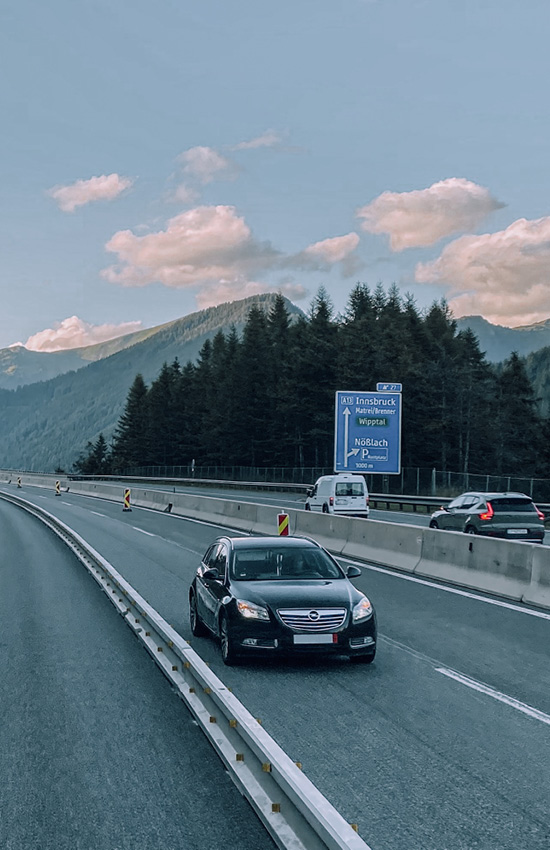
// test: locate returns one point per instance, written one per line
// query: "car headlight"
(252, 611)
(362, 610)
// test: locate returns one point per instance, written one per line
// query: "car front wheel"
(229, 655)
(434, 524)
(366, 658)
(470, 530)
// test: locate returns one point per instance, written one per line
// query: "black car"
(280, 595)
(512, 516)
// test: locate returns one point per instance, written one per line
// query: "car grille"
(313, 619)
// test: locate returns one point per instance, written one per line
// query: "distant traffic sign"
(367, 432)
(389, 388)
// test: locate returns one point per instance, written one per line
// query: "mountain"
(498, 342)
(48, 423)
(19, 367)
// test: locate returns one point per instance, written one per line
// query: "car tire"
(229, 656)
(470, 529)
(366, 658)
(197, 626)
(308, 507)
(325, 508)
(434, 524)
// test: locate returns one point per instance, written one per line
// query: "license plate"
(315, 638)
(517, 531)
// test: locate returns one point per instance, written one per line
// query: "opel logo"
(313, 615)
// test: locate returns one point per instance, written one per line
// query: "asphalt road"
(96, 751)
(420, 756)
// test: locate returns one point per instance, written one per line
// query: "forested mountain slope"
(46, 424)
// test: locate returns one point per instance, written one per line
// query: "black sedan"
(280, 595)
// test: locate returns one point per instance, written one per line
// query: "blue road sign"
(389, 388)
(367, 432)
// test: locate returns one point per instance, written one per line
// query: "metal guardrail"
(291, 808)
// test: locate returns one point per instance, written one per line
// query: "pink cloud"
(206, 164)
(204, 245)
(269, 139)
(424, 216)
(76, 333)
(103, 188)
(503, 275)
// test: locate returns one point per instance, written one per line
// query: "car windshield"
(275, 563)
(511, 505)
(349, 488)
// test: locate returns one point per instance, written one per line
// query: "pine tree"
(518, 425)
(130, 439)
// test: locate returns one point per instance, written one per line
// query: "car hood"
(320, 593)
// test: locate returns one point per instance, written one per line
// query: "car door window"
(211, 555)
(220, 561)
(456, 503)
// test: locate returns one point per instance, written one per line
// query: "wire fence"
(411, 481)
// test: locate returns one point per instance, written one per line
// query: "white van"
(345, 493)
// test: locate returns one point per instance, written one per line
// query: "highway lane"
(419, 759)
(96, 751)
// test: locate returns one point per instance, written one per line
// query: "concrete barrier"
(538, 592)
(496, 566)
(329, 530)
(392, 544)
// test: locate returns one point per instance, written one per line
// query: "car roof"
(266, 542)
(494, 494)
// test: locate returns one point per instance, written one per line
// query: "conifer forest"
(265, 398)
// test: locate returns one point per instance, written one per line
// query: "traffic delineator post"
(19, 482)
(127, 500)
(57, 488)
(282, 524)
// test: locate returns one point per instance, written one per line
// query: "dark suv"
(512, 516)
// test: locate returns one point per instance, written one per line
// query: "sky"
(159, 158)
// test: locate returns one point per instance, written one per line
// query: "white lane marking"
(148, 533)
(69, 504)
(485, 689)
(467, 680)
(98, 514)
(498, 602)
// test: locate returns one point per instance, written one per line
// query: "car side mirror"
(211, 574)
(353, 572)
(309, 491)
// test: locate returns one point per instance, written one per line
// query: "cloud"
(184, 194)
(206, 164)
(504, 275)
(320, 256)
(424, 216)
(269, 139)
(75, 333)
(332, 250)
(204, 245)
(212, 248)
(103, 188)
